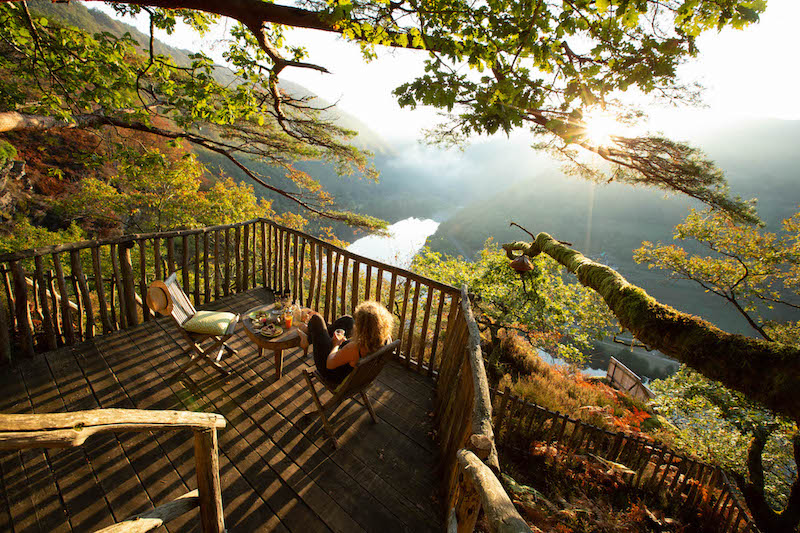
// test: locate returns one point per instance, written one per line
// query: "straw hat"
(158, 298)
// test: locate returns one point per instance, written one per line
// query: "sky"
(746, 73)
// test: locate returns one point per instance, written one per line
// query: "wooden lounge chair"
(167, 298)
(356, 382)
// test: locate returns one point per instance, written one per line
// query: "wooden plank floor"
(278, 470)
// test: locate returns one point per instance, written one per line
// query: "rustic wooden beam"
(83, 287)
(143, 278)
(67, 430)
(66, 319)
(246, 259)
(22, 310)
(206, 457)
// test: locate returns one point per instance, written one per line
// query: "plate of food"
(271, 331)
(256, 315)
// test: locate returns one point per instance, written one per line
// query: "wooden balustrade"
(654, 468)
(66, 430)
(468, 455)
(102, 283)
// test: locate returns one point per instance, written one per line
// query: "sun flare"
(601, 127)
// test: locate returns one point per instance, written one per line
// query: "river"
(406, 238)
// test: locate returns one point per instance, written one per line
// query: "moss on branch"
(767, 372)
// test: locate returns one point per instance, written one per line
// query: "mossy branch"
(767, 372)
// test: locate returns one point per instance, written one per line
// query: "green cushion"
(209, 322)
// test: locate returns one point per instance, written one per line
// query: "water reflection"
(406, 238)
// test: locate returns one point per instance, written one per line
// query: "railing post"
(23, 311)
(128, 284)
(206, 456)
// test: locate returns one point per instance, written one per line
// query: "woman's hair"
(373, 325)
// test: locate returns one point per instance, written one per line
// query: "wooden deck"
(278, 471)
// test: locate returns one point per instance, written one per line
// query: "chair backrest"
(366, 370)
(177, 305)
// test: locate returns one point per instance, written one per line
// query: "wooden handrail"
(480, 488)
(64, 430)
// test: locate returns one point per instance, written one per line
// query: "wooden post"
(246, 259)
(378, 285)
(206, 457)
(101, 291)
(412, 325)
(392, 291)
(335, 285)
(264, 264)
(66, 319)
(22, 309)
(197, 270)
(403, 319)
(313, 275)
(157, 257)
(206, 277)
(77, 274)
(5, 337)
(301, 274)
(128, 284)
(320, 275)
(286, 284)
(123, 320)
(171, 254)
(368, 283)
(9, 296)
(354, 289)
(217, 272)
(254, 254)
(226, 288)
(436, 329)
(47, 322)
(143, 278)
(185, 264)
(328, 278)
(342, 297)
(294, 269)
(237, 254)
(51, 276)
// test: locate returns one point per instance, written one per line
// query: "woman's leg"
(323, 344)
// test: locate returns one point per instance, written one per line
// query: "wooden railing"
(66, 430)
(468, 456)
(63, 294)
(683, 480)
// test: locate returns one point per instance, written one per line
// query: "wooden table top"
(289, 338)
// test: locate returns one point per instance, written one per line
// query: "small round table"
(289, 338)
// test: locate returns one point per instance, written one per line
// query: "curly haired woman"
(335, 355)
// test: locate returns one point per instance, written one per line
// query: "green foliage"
(54, 69)
(555, 315)
(717, 424)
(26, 235)
(7, 153)
(754, 270)
(152, 192)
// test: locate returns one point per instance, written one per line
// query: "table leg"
(260, 352)
(278, 364)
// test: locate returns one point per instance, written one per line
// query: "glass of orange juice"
(287, 319)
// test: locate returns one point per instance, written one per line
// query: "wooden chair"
(356, 383)
(167, 298)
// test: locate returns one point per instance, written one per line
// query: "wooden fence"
(63, 294)
(683, 480)
(468, 455)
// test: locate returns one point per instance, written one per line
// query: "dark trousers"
(320, 336)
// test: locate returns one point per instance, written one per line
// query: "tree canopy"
(537, 64)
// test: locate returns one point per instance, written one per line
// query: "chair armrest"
(232, 326)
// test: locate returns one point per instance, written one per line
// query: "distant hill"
(607, 222)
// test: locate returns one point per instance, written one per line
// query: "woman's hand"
(338, 337)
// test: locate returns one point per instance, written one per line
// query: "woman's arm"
(342, 355)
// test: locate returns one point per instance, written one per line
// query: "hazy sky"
(746, 73)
